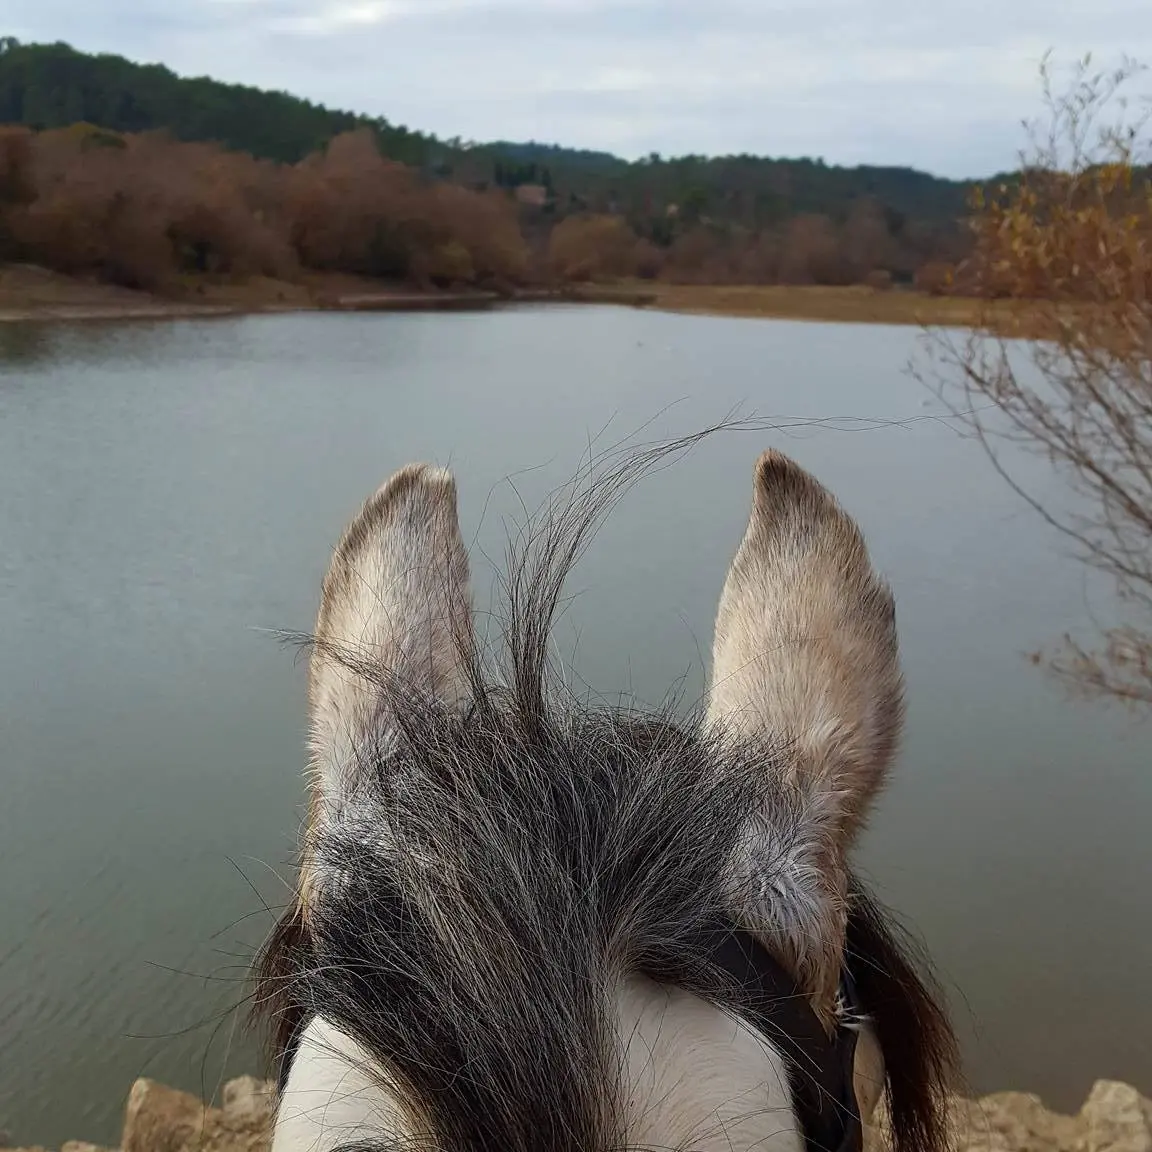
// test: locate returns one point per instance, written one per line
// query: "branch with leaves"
(1071, 238)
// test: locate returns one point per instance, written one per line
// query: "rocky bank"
(1114, 1118)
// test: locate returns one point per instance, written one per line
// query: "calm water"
(171, 494)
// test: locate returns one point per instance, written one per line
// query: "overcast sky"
(937, 84)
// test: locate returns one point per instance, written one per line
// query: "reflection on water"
(105, 342)
(22, 345)
(172, 492)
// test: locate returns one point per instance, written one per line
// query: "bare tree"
(1069, 244)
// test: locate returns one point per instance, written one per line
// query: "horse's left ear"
(805, 661)
(395, 623)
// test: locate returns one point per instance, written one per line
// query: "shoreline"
(34, 295)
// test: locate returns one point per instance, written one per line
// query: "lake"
(171, 495)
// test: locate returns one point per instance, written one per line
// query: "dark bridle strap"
(820, 1067)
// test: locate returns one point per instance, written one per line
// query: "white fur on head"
(395, 604)
(333, 1098)
(696, 1077)
(805, 659)
(692, 1076)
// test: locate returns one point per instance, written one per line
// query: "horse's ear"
(805, 660)
(395, 623)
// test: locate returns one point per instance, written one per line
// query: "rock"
(1012, 1122)
(249, 1099)
(160, 1119)
(1116, 1118)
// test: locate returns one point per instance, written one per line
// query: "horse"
(524, 923)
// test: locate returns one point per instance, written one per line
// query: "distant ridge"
(49, 86)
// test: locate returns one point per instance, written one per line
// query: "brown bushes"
(148, 211)
(701, 255)
(593, 247)
(649, 260)
(807, 249)
(759, 262)
(144, 210)
(140, 211)
(866, 242)
(16, 183)
(812, 254)
(936, 278)
(1080, 235)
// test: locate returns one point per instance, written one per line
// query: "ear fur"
(395, 620)
(805, 660)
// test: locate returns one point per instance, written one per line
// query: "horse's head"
(527, 924)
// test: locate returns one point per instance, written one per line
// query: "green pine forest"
(134, 174)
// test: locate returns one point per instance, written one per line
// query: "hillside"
(52, 86)
(45, 86)
(138, 176)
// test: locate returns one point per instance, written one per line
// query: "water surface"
(171, 493)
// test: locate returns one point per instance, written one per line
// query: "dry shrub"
(352, 210)
(94, 212)
(1055, 234)
(879, 280)
(935, 278)
(16, 182)
(811, 253)
(141, 210)
(217, 222)
(484, 225)
(699, 256)
(647, 260)
(591, 247)
(17, 186)
(1075, 237)
(145, 210)
(865, 242)
(759, 261)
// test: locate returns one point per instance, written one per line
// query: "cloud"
(334, 18)
(941, 87)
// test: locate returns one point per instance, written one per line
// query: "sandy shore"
(31, 293)
(855, 304)
(28, 293)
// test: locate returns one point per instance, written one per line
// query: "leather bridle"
(820, 1067)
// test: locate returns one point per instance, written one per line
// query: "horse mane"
(905, 1005)
(896, 989)
(539, 849)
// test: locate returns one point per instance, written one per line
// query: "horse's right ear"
(805, 651)
(395, 623)
(805, 661)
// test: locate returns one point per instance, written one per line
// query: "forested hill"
(48, 86)
(53, 86)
